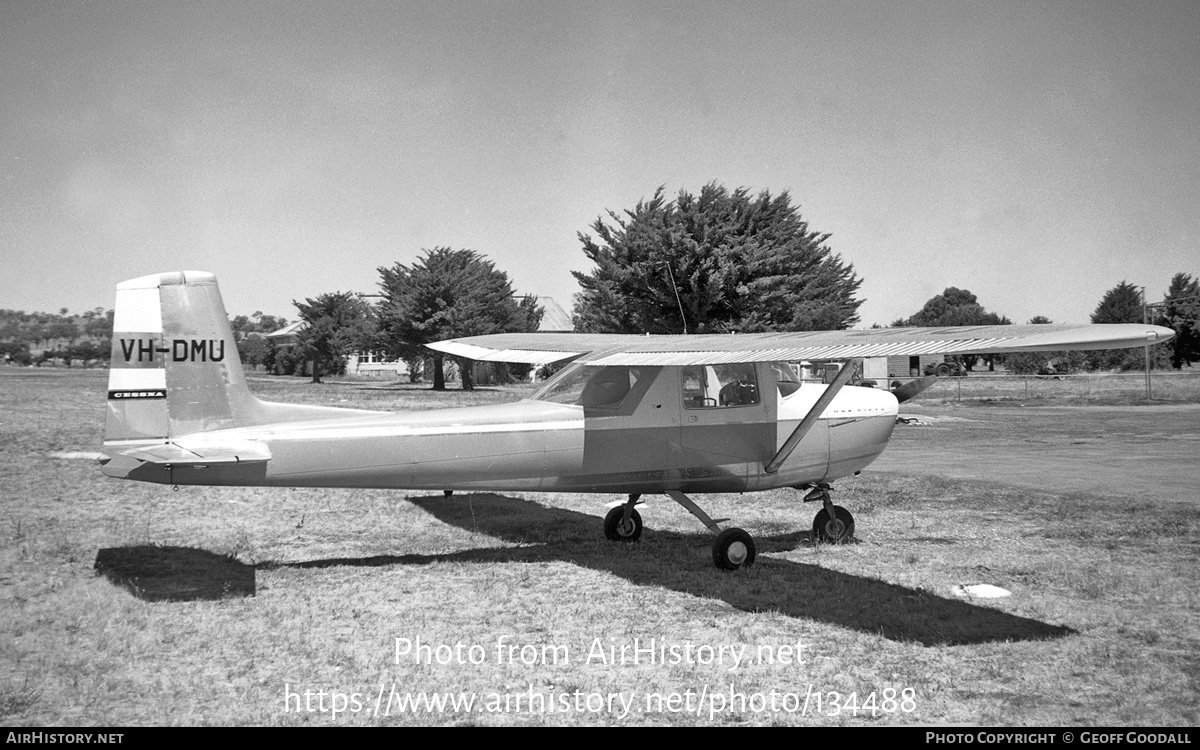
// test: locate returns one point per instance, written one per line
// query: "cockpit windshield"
(785, 378)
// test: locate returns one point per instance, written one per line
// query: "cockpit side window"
(718, 386)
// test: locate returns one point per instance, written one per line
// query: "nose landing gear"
(833, 523)
(623, 524)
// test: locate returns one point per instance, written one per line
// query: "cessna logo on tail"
(147, 393)
(180, 350)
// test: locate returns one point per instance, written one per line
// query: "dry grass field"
(339, 607)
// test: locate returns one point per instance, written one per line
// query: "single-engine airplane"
(635, 415)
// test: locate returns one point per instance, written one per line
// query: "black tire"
(733, 549)
(836, 530)
(615, 531)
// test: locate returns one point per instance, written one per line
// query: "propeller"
(912, 388)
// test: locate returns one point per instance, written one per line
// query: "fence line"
(1165, 385)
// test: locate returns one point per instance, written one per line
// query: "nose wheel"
(833, 524)
(619, 528)
(835, 527)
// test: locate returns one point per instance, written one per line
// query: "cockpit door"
(727, 423)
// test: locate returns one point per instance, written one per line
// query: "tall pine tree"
(1182, 312)
(1121, 304)
(713, 262)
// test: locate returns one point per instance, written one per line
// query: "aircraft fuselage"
(659, 434)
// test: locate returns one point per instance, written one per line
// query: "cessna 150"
(634, 415)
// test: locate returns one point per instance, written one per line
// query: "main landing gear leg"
(733, 548)
(833, 523)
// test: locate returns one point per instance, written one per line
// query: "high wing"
(714, 349)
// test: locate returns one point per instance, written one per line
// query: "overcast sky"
(1036, 153)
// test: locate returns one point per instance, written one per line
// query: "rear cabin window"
(719, 386)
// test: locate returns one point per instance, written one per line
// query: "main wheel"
(834, 530)
(616, 529)
(733, 549)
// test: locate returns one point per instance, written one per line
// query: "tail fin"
(175, 367)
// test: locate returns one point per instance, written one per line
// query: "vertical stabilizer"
(175, 368)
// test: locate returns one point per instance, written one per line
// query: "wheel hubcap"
(736, 553)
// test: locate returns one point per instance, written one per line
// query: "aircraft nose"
(868, 402)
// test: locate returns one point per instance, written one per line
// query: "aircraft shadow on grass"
(555, 535)
(175, 574)
(770, 585)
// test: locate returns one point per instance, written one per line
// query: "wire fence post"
(1146, 321)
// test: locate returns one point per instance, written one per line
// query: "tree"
(448, 294)
(98, 325)
(14, 352)
(56, 327)
(337, 323)
(713, 262)
(1182, 312)
(955, 307)
(1031, 363)
(1121, 304)
(254, 348)
(86, 337)
(256, 323)
(86, 352)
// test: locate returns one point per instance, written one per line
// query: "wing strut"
(811, 417)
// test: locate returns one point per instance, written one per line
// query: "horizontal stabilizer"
(226, 452)
(147, 462)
